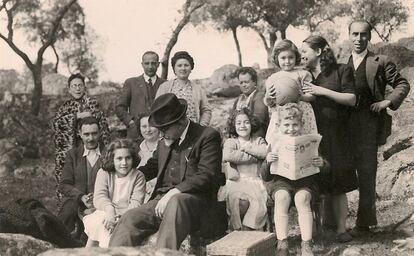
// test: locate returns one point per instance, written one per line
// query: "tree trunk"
(236, 41)
(272, 40)
(174, 36)
(55, 69)
(37, 90)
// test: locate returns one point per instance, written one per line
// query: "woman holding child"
(334, 89)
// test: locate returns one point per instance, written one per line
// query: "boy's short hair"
(290, 111)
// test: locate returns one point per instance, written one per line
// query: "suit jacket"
(259, 109)
(200, 170)
(74, 182)
(380, 71)
(132, 102)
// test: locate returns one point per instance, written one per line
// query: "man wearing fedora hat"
(187, 164)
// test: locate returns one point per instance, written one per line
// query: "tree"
(277, 16)
(189, 7)
(47, 18)
(385, 16)
(227, 16)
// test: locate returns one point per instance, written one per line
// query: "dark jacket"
(74, 182)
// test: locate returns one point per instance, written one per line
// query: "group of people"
(170, 183)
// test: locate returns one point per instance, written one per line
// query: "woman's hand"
(83, 114)
(272, 157)
(317, 161)
(272, 92)
(378, 106)
(313, 89)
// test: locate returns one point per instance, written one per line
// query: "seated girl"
(283, 190)
(118, 188)
(244, 154)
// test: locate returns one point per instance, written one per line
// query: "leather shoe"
(359, 231)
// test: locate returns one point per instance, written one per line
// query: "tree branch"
(261, 35)
(51, 38)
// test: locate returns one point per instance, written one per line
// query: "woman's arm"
(234, 155)
(205, 108)
(347, 99)
(138, 191)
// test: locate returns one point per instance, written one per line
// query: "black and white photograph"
(206, 127)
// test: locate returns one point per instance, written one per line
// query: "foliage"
(44, 23)
(385, 16)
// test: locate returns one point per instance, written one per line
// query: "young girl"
(118, 188)
(283, 190)
(147, 147)
(244, 154)
(286, 85)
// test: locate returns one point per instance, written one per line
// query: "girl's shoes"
(307, 248)
(282, 248)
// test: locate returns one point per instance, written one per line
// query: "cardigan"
(199, 97)
(104, 189)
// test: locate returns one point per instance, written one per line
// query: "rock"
(389, 171)
(224, 76)
(410, 201)
(404, 186)
(352, 251)
(22, 245)
(118, 251)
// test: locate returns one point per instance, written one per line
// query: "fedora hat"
(166, 110)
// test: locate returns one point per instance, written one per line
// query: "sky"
(128, 28)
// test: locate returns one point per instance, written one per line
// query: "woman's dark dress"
(332, 121)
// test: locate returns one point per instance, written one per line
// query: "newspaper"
(295, 156)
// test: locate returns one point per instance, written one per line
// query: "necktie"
(151, 92)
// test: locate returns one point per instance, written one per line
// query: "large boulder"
(22, 245)
(118, 251)
(224, 76)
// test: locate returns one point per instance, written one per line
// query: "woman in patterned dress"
(198, 110)
(65, 123)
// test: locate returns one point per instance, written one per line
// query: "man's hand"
(272, 92)
(378, 106)
(87, 200)
(272, 157)
(162, 204)
(84, 114)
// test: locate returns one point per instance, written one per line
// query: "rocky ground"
(34, 178)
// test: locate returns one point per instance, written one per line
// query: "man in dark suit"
(187, 164)
(370, 123)
(79, 172)
(138, 94)
(252, 98)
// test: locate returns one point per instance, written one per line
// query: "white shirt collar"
(86, 151)
(182, 137)
(153, 78)
(357, 58)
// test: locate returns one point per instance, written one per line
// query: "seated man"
(79, 172)
(187, 164)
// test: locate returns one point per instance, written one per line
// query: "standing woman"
(335, 95)
(198, 110)
(80, 105)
